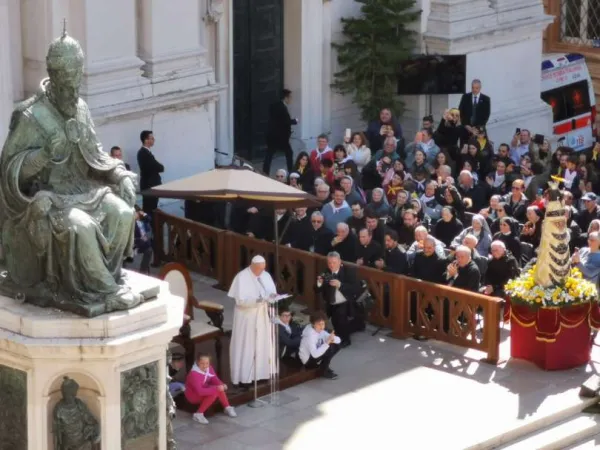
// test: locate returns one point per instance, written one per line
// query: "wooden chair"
(194, 331)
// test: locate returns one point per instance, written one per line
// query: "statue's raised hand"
(127, 188)
(56, 150)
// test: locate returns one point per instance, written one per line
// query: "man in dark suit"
(340, 288)
(279, 130)
(150, 170)
(475, 109)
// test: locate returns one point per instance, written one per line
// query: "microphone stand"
(256, 402)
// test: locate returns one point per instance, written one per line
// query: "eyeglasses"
(316, 221)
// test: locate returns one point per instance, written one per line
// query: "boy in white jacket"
(318, 347)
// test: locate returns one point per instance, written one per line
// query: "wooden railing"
(405, 305)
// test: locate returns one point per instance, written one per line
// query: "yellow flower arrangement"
(574, 291)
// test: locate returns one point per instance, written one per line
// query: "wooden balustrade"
(405, 305)
(199, 247)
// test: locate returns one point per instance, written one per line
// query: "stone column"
(502, 40)
(107, 32)
(6, 87)
(222, 24)
(169, 40)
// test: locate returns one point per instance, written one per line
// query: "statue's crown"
(64, 52)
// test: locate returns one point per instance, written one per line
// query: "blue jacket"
(332, 218)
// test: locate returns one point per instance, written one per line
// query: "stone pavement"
(391, 394)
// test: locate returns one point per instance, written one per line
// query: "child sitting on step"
(203, 387)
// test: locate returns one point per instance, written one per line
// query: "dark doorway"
(257, 71)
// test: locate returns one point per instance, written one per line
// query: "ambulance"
(567, 87)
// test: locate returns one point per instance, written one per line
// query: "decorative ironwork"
(139, 407)
(580, 22)
(13, 409)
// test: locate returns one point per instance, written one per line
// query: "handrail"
(405, 305)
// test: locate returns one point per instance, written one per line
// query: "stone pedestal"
(118, 360)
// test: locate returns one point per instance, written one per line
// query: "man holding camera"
(340, 289)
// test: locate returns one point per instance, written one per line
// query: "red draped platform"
(552, 338)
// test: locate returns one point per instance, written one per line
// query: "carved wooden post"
(399, 306)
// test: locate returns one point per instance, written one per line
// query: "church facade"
(201, 73)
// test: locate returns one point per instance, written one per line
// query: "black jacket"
(150, 169)
(482, 113)
(279, 128)
(350, 286)
(370, 253)
(519, 209)
(321, 240)
(348, 248)
(428, 268)
(396, 261)
(500, 271)
(289, 343)
(468, 277)
(447, 231)
(356, 224)
(300, 233)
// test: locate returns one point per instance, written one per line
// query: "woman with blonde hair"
(449, 132)
(358, 149)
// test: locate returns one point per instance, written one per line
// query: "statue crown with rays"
(553, 261)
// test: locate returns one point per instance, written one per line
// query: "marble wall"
(152, 67)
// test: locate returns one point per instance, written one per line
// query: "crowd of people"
(448, 206)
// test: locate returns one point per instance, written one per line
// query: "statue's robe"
(63, 226)
(74, 426)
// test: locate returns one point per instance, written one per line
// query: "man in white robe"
(252, 289)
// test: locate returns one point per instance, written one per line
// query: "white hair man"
(471, 241)
(251, 342)
(501, 268)
(463, 273)
(421, 235)
(345, 243)
(340, 288)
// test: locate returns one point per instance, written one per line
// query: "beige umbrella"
(237, 184)
(231, 184)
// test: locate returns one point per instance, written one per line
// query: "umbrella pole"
(275, 313)
(276, 262)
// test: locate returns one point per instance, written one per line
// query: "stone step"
(559, 436)
(537, 424)
(586, 444)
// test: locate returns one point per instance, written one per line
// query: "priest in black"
(501, 268)
(428, 265)
(395, 259)
(300, 231)
(340, 288)
(463, 273)
(345, 243)
(369, 250)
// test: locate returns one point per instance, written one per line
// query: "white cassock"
(251, 326)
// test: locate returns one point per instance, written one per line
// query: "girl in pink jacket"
(203, 386)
